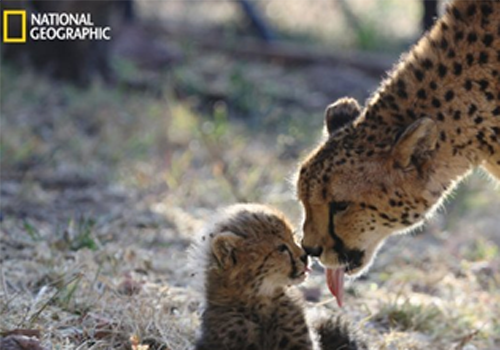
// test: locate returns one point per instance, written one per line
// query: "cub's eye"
(282, 248)
(339, 206)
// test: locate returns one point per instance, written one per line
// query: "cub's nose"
(312, 251)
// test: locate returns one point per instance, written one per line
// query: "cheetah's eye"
(282, 248)
(339, 206)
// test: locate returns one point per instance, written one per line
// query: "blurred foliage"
(379, 24)
(482, 249)
(408, 316)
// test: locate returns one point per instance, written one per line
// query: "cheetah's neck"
(452, 76)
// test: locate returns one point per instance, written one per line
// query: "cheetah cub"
(251, 263)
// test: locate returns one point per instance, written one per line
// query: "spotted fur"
(386, 167)
(250, 263)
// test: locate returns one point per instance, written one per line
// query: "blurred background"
(114, 154)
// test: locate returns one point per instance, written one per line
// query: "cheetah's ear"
(340, 113)
(415, 143)
(223, 248)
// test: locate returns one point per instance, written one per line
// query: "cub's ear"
(223, 248)
(416, 143)
(340, 113)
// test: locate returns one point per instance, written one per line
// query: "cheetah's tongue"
(335, 282)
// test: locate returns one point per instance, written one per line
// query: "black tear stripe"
(294, 272)
(350, 257)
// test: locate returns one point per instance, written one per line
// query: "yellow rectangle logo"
(6, 37)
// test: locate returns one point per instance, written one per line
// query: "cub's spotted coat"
(387, 166)
(249, 262)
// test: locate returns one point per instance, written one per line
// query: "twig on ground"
(465, 340)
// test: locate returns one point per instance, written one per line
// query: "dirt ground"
(103, 189)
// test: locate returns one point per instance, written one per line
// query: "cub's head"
(367, 180)
(252, 246)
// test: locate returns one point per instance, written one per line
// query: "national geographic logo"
(14, 26)
(51, 27)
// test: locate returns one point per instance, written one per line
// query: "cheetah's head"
(253, 246)
(357, 189)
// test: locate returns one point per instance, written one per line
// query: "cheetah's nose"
(313, 251)
(303, 258)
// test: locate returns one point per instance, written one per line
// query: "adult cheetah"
(250, 261)
(386, 167)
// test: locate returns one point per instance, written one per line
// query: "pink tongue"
(335, 282)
